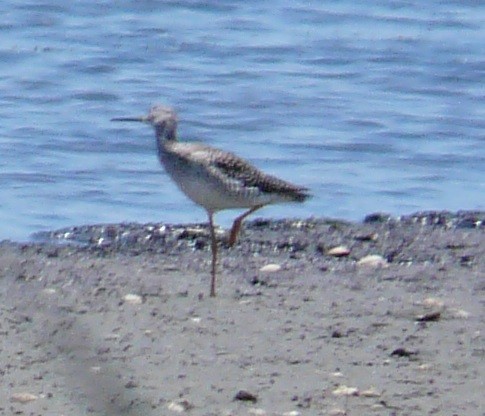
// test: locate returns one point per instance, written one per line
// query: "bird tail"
(302, 195)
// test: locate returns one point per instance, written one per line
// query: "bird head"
(162, 118)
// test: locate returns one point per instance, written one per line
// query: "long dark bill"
(140, 119)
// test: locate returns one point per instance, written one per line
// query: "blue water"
(375, 105)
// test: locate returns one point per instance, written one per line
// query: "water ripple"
(376, 106)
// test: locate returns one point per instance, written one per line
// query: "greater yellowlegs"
(213, 178)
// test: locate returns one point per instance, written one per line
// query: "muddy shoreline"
(313, 317)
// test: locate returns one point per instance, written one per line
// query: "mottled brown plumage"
(215, 179)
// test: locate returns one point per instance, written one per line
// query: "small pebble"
(367, 237)
(257, 412)
(245, 396)
(23, 397)
(346, 391)
(433, 303)
(373, 260)
(133, 299)
(130, 384)
(370, 393)
(337, 412)
(179, 407)
(270, 268)
(339, 251)
(175, 407)
(193, 232)
(403, 352)
(101, 241)
(429, 317)
(292, 413)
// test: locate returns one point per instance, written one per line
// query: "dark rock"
(245, 396)
(402, 352)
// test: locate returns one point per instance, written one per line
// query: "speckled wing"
(232, 167)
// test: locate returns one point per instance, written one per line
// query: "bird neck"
(165, 137)
(166, 132)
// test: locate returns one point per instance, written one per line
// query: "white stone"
(373, 260)
(372, 392)
(346, 391)
(433, 303)
(175, 407)
(133, 299)
(339, 251)
(270, 268)
(23, 397)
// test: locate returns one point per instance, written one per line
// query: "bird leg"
(236, 226)
(214, 253)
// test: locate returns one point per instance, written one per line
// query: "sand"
(305, 322)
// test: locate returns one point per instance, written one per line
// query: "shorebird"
(213, 178)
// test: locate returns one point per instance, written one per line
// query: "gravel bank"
(313, 317)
